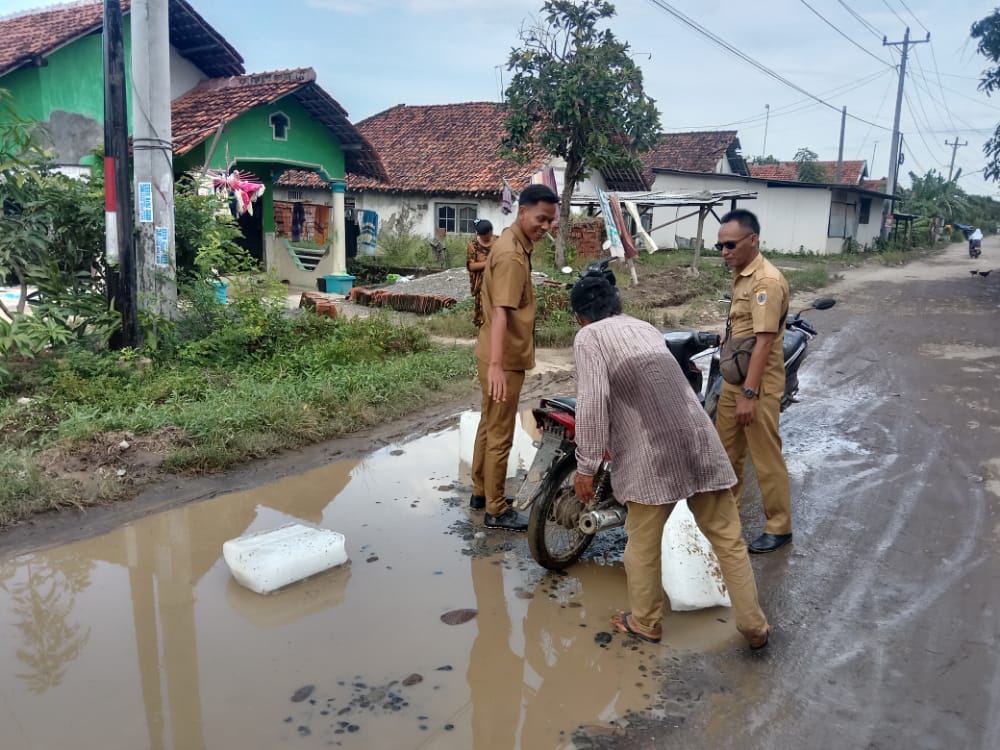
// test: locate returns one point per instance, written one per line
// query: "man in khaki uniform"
(506, 348)
(747, 415)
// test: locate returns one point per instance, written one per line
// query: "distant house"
(443, 169)
(266, 124)
(795, 216)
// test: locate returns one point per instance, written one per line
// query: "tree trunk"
(570, 179)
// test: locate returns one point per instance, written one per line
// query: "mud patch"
(965, 352)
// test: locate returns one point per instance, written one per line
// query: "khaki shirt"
(760, 305)
(507, 283)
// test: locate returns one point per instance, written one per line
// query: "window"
(841, 216)
(279, 126)
(457, 217)
(866, 209)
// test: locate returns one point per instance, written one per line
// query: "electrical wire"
(852, 41)
(903, 3)
(901, 19)
(794, 107)
(885, 96)
(715, 39)
(878, 34)
(919, 129)
(913, 158)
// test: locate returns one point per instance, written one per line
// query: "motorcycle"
(560, 527)
(975, 248)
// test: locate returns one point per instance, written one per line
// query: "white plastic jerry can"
(268, 560)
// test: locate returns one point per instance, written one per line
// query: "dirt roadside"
(553, 375)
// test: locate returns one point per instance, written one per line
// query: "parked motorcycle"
(975, 248)
(560, 527)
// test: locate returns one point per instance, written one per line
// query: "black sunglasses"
(731, 244)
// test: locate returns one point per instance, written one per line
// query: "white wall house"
(794, 217)
(444, 169)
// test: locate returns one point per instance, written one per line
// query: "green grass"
(339, 377)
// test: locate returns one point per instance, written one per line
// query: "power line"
(920, 131)
(934, 99)
(835, 28)
(694, 25)
(878, 34)
(901, 19)
(903, 3)
(885, 96)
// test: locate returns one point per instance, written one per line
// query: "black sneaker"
(509, 520)
(478, 502)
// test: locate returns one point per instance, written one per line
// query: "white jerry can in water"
(268, 560)
(689, 568)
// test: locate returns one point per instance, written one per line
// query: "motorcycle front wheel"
(554, 536)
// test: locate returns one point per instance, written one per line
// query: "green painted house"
(267, 124)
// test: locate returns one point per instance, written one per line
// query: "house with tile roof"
(443, 168)
(795, 216)
(263, 124)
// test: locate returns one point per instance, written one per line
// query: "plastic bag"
(689, 568)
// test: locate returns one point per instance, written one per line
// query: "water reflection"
(140, 638)
(42, 596)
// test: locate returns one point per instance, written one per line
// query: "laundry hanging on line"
(368, 237)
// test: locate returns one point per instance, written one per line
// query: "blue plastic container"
(335, 284)
(221, 293)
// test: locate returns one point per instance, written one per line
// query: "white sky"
(373, 54)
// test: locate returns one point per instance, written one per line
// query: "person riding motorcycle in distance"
(634, 402)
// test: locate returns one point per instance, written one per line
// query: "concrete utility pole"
(894, 149)
(954, 148)
(840, 151)
(767, 118)
(119, 247)
(153, 149)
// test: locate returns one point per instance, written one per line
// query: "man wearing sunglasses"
(747, 414)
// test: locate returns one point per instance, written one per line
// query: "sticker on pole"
(162, 247)
(145, 202)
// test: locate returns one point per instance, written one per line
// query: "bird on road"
(984, 274)
(973, 272)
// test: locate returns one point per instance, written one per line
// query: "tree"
(987, 31)
(578, 95)
(764, 160)
(809, 169)
(934, 196)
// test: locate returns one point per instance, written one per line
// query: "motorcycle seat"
(685, 344)
(794, 339)
(562, 403)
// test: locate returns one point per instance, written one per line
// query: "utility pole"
(119, 245)
(767, 117)
(954, 148)
(840, 151)
(153, 149)
(894, 149)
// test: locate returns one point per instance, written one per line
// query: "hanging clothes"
(298, 221)
(506, 199)
(624, 234)
(614, 237)
(647, 241)
(368, 238)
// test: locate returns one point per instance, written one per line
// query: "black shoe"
(509, 520)
(478, 502)
(769, 542)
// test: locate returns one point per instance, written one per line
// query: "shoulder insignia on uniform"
(761, 297)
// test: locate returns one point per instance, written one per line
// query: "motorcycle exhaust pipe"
(597, 520)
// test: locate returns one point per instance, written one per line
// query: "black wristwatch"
(750, 393)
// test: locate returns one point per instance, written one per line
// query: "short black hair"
(483, 226)
(594, 298)
(746, 219)
(535, 194)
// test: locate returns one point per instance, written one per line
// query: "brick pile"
(423, 304)
(319, 303)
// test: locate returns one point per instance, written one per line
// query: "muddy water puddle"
(141, 638)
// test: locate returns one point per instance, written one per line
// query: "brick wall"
(587, 236)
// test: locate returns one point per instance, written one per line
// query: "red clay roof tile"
(33, 34)
(787, 171)
(697, 151)
(443, 149)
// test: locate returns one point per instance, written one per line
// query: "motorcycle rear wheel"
(554, 536)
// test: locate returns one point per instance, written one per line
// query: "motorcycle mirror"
(824, 303)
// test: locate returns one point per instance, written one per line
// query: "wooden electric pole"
(894, 149)
(119, 243)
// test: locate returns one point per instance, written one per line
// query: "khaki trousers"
(764, 440)
(494, 438)
(719, 520)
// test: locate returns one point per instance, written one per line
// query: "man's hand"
(744, 410)
(498, 382)
(584, 486)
